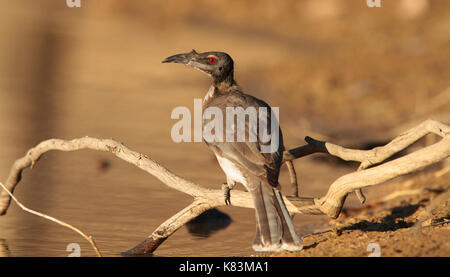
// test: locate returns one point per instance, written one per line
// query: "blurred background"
(338, 70)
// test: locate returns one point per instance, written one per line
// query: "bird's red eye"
(211, 60)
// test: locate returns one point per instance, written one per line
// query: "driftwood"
(370, 172)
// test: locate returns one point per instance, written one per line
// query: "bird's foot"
(226, 193)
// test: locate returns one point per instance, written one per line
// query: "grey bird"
(243, 161)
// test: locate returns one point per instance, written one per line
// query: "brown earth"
(416, 225)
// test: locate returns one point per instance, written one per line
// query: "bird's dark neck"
(226, 79)
(220, 87)
(225, 86)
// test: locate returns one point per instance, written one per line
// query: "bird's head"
(218, 65)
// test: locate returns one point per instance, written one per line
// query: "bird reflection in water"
(208, 222)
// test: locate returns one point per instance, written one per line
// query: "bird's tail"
(275, 230)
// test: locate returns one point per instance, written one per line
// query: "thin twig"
(292, 177)
(62, 223)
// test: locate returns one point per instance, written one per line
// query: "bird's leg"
(226, 193)
(227, 187)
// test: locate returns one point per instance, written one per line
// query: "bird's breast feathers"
(231, 170)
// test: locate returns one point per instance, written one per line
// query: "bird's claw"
(226, 193)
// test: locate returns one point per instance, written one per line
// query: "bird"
(243, 161)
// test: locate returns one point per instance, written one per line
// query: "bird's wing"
(247, 155)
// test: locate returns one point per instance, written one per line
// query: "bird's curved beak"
(190, 59)
(181, 58)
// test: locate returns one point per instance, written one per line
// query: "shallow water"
(119, 205)
(102, 78)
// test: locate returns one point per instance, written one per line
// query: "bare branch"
(331, 204)
(141, 161)
(292, 177)
(204, 199)
(169, 227)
